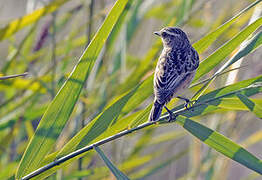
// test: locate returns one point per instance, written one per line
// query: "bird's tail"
(155, 111)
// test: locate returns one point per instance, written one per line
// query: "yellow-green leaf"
(60, 109)
(117, 173)
(206, 41)
(221, 144)
(220, 54)
(251, 105)
(28, 19)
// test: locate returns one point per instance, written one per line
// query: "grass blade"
(236, 104)
(250, 46)
(206, 41)
(145, 173)
(251, 105)
(106, 123)
(219, 55)
(62, 106)
(118, 174)
(97, 127)
(221, 144)
(26, 20)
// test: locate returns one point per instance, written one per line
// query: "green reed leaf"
(251, 105)
(219, 55)
(60, 109)
(28, 19)
(206, 41)
(221, 144)
(117, 173)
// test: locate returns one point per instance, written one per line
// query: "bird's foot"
(172, 116)
(188, 103)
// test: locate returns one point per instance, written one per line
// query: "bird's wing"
(173, 72)
(167, 88)
(191, 60)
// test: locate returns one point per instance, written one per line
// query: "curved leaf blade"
(221, 144)
(97, 126)
(117, 173)
(248, 47)
(235, 104)
(206, 41)
(219, 55)
(26, 20)
(251, 105)
(254, 43)
(60, 109)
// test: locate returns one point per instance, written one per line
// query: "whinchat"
(175, 69)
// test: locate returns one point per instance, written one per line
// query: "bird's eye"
(164, 34)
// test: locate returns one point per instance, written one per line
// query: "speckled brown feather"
(175, 69)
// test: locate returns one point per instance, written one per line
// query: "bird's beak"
(157, 33)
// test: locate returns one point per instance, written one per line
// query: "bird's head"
(173, 37)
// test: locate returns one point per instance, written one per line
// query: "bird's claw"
(172, 116)
(189, 104)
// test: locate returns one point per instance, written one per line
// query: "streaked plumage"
(175, 68)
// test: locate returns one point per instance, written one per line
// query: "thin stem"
(21, 93)
(13, 56)
(122, 133)
(13, 76)
(84, 149)
(53, 44)
(90, 24)
(219, 74)
(88, 34)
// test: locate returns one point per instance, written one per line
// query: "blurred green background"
(47, 39)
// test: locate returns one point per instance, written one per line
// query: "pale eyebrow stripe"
(171, 33)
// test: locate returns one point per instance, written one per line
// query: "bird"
(175, 70)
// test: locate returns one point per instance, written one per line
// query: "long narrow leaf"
(98, 126)
(206, 41)
(250, 46)
(251, 105)
(20, 23)
(145, 173)
(62, 106)
(118, 174)
(221, 144)
(235, 104)
(215, 98)
(220, 54)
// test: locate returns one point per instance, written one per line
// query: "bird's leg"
(172, 117)
(188, 103)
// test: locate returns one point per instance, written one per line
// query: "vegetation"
(76, 92)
